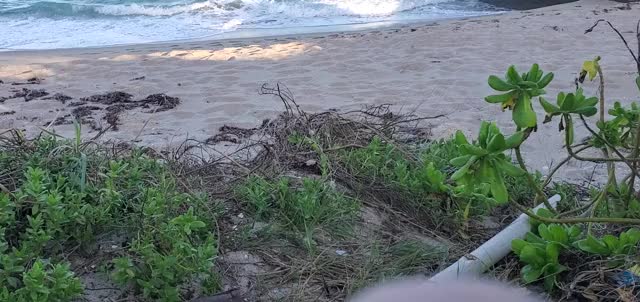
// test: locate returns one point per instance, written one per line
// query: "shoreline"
(430, 68)
(368, 27)
(508, 6)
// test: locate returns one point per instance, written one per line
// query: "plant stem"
(560, 164)
(600, 198)
(611, 167)
(539, 193)
(636, 149)
(528, 212)
(580, 209)
(623, 159)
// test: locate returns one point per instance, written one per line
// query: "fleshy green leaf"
(574, 231)
(537, 92)
(510, 169)
(544, 232)
(500, 98)
(497, 143)
(553, 252)
(530, 274)
(512, 75)
(515, 140)
(586, 111)
(532, 255)
(473, 150)
(499, 190)
(460, 160)
(569, 102)
(545, 80)
(523, 114)
(569, 129)
(593, 246)
(460, 138)
(462, 171)
(517, 245)
(529, 84)
(549, 282)
(500, 85)
(610, 241)
(592, 101)
(533, 73)
(632, 236)
(483, 133)
(548, 107)
(558, 233)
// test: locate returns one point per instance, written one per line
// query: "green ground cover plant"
(63, 196)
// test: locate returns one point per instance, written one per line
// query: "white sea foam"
(77, 23)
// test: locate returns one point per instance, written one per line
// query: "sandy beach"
(437, 68)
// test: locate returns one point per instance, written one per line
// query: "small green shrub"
(610, 245)
(68, 196)
(43, 282)
(306, 208)
(540, 252)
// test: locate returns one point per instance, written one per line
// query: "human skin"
(449, 291)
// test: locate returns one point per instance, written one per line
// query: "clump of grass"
(61, 196)
(307, 208)
(421, 178)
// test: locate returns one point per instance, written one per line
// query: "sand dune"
(431, 68)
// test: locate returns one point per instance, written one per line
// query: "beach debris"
(113, 115)
(163, 101)
(76, 104)
(138, 78)
(118, 102)
(63, 98)
(231, 295)
(109, 98)
(61, 120)
(4, 110)
(30, 94)
(84, 111)
(31, 81)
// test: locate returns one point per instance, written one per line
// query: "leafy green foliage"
(610, 245)
(308, 208)
(519, 89)
(540, 251)
(384, 161)
(68, 196)
(567, 104)
(570, 103)
(484, 161)
(619, 131)
(44, 282)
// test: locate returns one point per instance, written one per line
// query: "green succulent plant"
(519, 89)
(484, 160)
(567, 104)
(540, 252)
(570, 103)
(610, 245)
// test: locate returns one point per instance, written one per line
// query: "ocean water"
(48, 24)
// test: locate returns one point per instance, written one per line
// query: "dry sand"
(433, 68)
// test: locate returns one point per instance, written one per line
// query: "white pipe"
(489, 253)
